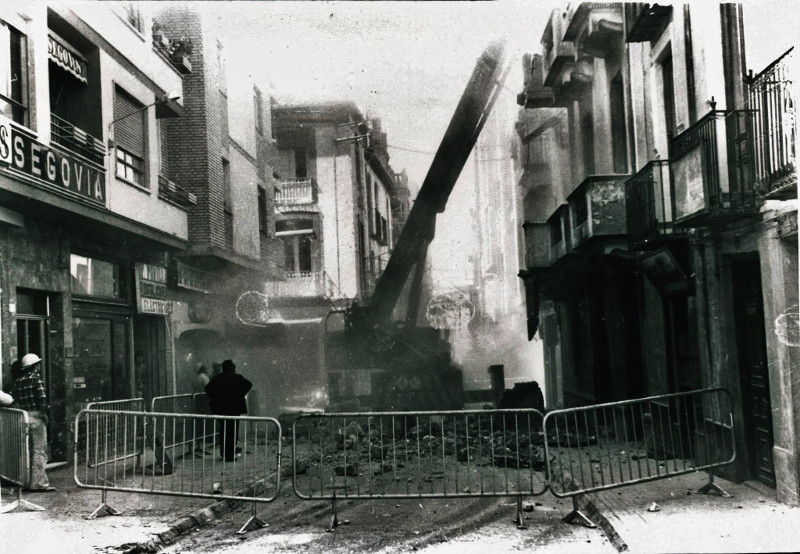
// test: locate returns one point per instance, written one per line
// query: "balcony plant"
(179, 51)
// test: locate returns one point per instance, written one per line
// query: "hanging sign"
(151, 290)
(66, 57)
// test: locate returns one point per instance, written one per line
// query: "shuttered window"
(130, 137)
(164, 144)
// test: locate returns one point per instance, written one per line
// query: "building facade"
(137, 207)
(661, 215)
(334, 213)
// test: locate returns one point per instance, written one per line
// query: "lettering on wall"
(151, 290)
(49, 168)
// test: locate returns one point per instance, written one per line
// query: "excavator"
(392, 364)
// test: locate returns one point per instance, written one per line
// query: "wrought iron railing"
(774, 129)
(298, 284)
(647, 203)
(711, 178)
(76, 140)
(169, 191)
(299, 191)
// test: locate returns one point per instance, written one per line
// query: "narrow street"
(385, 526)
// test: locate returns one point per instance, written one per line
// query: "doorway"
(748, 310)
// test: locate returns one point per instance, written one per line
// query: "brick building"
(661, 218)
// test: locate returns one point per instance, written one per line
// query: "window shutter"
(129, 132)
(164, 142)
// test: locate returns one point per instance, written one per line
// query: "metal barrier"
(133, 435)
(15, 456)
(618, 444)
(419, 455)
(252, 475)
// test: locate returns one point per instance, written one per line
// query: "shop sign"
(190, 278)
(50, 168)
(151, 290)
(66, 57)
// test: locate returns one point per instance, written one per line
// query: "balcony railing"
(560, 233)
(774, 130)
(77, 140)
(645, 22)
(537, 245)
(299, 191)
(598, 208)
(648, 204)
(169, 191)
(298, 284)
(713, 178)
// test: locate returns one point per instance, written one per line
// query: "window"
(226, 183)
(259, 107)
(13, 74)
(93, 277)
(262, 210)
(587, 132)
(300, 163)
(669, 95)
(619, 136)
(133, 16)
(297, 235)
(164, 147)
(129, 134)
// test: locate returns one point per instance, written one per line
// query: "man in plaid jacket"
(30, 396)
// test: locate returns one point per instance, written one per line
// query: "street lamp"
(160, 101)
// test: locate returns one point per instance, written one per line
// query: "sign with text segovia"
(21, 153)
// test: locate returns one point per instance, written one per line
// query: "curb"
(198, 518)
(588, 505)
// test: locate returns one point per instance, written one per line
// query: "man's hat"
(228, 364)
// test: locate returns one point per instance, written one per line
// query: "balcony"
(537, 245)
(172, 193)
(594, 28)
(645, 22)
(558, 54)
(298, 284)
(77, 140)
(774, 131)
(560, 239)
(598, 208)
(647, 205)
(535, 94)
(713, 179)
(295, 192)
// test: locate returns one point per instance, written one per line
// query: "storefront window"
(93, 277)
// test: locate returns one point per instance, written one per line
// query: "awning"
(66, 57)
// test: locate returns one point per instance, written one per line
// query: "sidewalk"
(147, 519)
(750, 521)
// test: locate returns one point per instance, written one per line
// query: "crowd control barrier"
(15, 459)
(419, 455)
(253, 474)
(132, 439)
(618, 444)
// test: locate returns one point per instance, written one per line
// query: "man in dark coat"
(226, 396)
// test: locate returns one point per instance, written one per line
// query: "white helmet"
(29, 359)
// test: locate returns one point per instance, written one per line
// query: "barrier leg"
(577, 514)
(334, 517)
(712, 486)
(253, 523)
(519, 520)
(20, 503)
(103, 508)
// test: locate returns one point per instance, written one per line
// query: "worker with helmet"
(30, 396)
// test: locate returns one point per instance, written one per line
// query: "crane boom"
(466, 124)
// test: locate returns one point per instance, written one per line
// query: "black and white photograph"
(356, 277)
